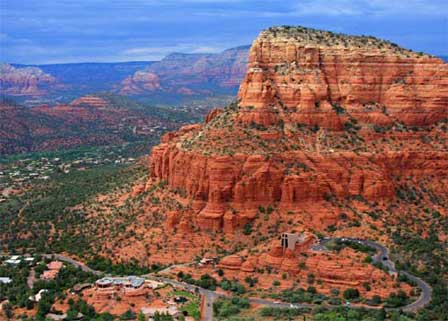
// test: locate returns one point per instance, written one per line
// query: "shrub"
(338, 108)
(225, 307)
(247, 229)
(311, 289)
(351, 293)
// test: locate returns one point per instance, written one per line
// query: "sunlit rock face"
(30, 81)
(299, 70)
(320, 116)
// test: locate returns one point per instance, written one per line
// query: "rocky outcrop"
(140, 82)
(321, 117)
(303, 71)
(30, 81)
(90, 101)
(228, 190)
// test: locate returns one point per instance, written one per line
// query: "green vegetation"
(131, 268)
(350, 294)
(432, 267)
(162, 317)
(18, 293)
(343, 314)
(396, 300)
(233, 285)
(224, 308)
(205, 281)
(338, 244)
(351, 126)
(133, 149)
(298, 296)
(338, 108)
(329, 38)
(283, 313)
(30, 219)
(247, 229)
(191, 307)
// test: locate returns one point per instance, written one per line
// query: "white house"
(5, 280)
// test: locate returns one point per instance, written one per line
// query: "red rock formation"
(142, 81)
(177, 72)
(231, 262)
(256, 155)
(89, 101)
(24, 81)
(294, 71)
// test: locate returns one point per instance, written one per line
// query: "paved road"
(425, 295)
(31, 278)
(209, 296)
(169, 268)
(381, 256)
(78, 264)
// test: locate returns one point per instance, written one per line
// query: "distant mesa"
(89, 101)
(190, 74)
(24, 81)
(140, 82)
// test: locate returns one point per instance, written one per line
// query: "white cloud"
(206, 49)
(157, 52)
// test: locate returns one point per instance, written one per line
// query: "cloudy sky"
(57, 31)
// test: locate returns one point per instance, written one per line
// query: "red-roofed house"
(52, 272)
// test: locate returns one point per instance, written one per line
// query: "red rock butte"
(89, 101)
(294, 70)
(319, 116)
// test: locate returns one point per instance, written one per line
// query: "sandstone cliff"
(296, 71)
(303, 156)
(320, 117)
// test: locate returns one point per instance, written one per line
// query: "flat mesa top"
(323, 38)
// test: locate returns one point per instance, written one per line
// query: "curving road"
(381, 256)
(78, 264)
(425, 295)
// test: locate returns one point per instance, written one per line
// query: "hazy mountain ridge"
(175, 77)
(191, 74)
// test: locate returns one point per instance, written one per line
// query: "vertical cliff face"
(321, 117)
(296, 70)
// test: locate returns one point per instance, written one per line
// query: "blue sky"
(58, 31)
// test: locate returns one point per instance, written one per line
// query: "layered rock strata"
(347, 92)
